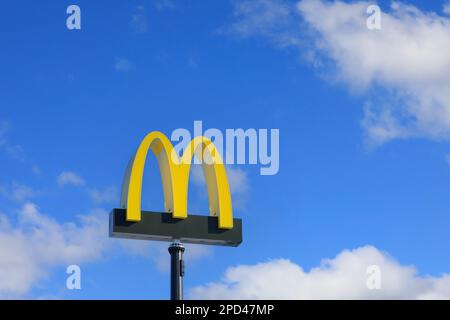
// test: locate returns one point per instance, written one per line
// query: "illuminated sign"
(131, 222)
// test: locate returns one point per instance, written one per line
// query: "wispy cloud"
(18, 192)
(344, 277)
(70, 178)
(164, 4)
(122, 64)
(108, 195)
(192, 63)
(13, 150)
(98, 196)
(3, 129)
(276, 20)
(139, 22)
(446, 8)
(237, 178)
(402, 70)
(36, 170)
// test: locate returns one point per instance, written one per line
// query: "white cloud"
(344, 277)
(409, 55)
(237, 178)
(406, 62)
(275, 19)
(18, 192)
(35, 243)
(70, 178)
(164, 4)
(108, 195)
(446, 8)
(38, 243)
(158, 253)
(122, 64)
(99, 196)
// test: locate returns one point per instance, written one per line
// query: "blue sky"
(350, 176)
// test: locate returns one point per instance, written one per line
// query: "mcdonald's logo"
(174, 223)
(175, 178)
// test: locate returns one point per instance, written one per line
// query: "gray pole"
(176, 250)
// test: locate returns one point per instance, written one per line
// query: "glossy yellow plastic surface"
(175, 178)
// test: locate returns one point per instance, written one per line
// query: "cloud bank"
(33, 244)
(344, 277)
(37, 243)
(402, 70)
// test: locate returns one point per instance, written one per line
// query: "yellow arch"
(175, 178)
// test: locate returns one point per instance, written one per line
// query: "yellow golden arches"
(175, 178)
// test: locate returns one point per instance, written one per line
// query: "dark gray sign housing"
(161, 226)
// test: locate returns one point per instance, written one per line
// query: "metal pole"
(176, 250)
